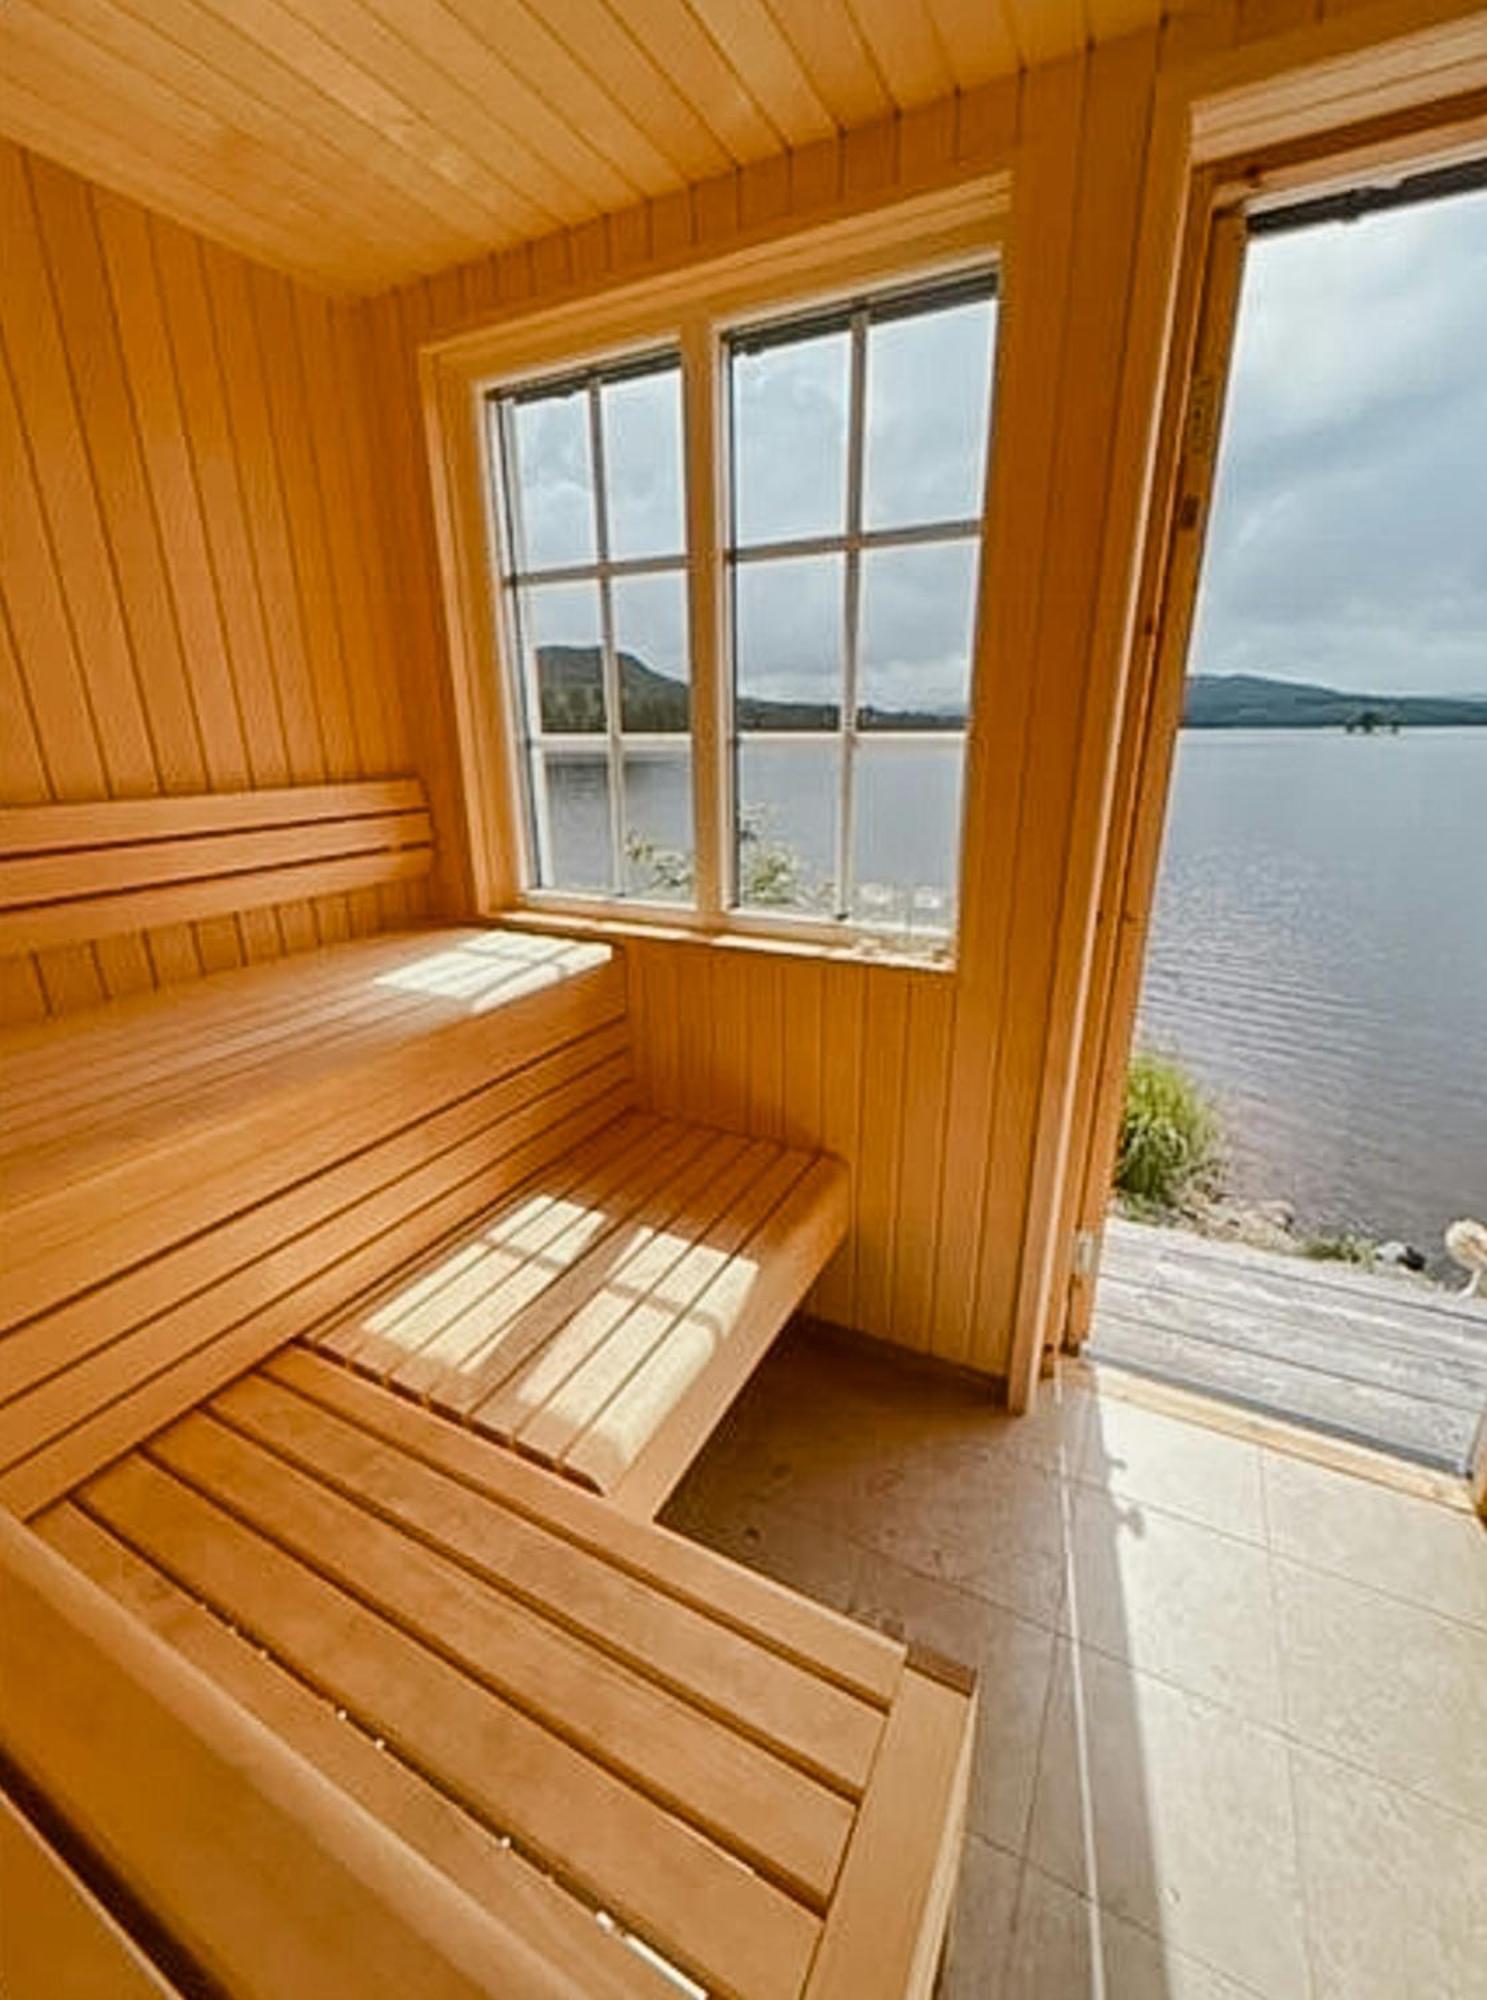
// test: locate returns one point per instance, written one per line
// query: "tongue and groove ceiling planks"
(359, 143)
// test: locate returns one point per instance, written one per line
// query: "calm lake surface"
(1318, 954)
(1319, 958)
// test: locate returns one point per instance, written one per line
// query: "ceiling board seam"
(156, 25)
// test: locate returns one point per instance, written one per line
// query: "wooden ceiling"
(362, 142)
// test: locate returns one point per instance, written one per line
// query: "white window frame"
(915, 242)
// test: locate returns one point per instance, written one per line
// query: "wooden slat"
(40, 879)
(54, 1435)
(843, 1651)
(49, 829)
(457, 1844)
(609, 1267)
(779, 1820)
(57, 1941)
(554, 1427)
(44, 928)
(888, 1914)
(265, 1875)
(810, 1721)
(649, 1867)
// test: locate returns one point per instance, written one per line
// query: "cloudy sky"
(1349, 536)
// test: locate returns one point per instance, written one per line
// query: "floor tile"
(1174, 1814)
(980, 1923)
(1390, 1687)
(782, 1542)
(1175, 1599)
(1396, 1889)
(1064, 1947)
(990, 1525)
(1013, 1661)
(1394, 1542)
(1185, 1468)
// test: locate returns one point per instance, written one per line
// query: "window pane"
(560, 624)
(787, 817)
(790, 439)
(659, 862)
(788, 642)
(642, 419)
(907, 835)
(577, 788)
(650, 639)
(552, 501)
(914, 649)
(928, 409)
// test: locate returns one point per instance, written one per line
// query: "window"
(858, 465)
(842, 578)
(595, 563)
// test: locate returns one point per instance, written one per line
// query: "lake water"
(1318, 952)
(1319, 958)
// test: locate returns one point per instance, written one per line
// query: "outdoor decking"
(1371, 1356)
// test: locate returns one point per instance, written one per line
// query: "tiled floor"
(1234, 1704)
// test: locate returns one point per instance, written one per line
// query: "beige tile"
(990, 1525)
(1396, 1889)
(1174, 1814)
(980, 1923)
(1385, 1685)
(1065, 1947)
(1141, 1454)
(781, 1542)
(1013, 1660)
(1175, 1599)
(1394, 1542)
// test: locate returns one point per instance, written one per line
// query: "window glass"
(659, 861)
(552, 493)
(928, 399)
(906, 831)
(573, 787)
(789, 640)
(650, 643)
(790, 438)
(917, 621)
(561, 628)
(642, 417)
(786, 825)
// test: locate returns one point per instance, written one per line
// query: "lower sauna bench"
(378, 1707)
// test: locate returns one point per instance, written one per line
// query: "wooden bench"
(596, 1730)
(327, 1286)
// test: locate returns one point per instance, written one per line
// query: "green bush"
(1169, 1136)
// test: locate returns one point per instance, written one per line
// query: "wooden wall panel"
(926, 1081)
(192, 582)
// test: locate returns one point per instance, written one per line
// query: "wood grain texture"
(556, 1708)
(191, 593)
(959, 1099)
(323, 138)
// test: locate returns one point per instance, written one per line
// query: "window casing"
(612, 813)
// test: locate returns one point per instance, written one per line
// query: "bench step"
(602, 1318)
(759, 1790)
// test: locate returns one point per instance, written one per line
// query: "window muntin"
(857, 471)
(595, 574)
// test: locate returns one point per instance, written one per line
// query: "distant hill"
(1250, 701)
(570, 685)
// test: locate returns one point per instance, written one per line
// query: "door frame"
(1246, 148)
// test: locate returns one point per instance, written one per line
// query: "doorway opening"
(1301, 1188)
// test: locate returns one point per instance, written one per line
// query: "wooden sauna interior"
(257, 260)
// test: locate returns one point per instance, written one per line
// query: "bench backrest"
(72, 874)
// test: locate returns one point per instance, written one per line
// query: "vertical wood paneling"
(190, 571)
